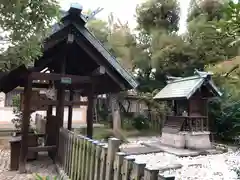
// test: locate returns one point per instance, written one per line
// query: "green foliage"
(17, 120)
(210, 46)
(173, 55)
(210, 8)
(100, 29)
(39, 177)
(158, 14)
(140, 122)
(226, 117)
(134, 122)
(25, 24)
(230, 25)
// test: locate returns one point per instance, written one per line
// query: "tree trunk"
(114, 107)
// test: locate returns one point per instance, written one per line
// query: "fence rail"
(84, 159)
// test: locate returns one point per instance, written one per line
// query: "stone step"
(140, 150)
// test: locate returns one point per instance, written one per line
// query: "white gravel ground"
(210, 167)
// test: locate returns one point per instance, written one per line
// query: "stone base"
(174, 140)
(189, 140)
(198, 140)
(40, 124)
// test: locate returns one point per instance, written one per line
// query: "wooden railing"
(190, 123)
(81, 158)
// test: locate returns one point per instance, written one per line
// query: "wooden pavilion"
(75, 61)
(188, 98)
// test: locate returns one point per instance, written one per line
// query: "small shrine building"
(188, 125)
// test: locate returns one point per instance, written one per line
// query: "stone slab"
(140, 150)
(170, 166)
(182, 152)
(172, 150)
(160, 177)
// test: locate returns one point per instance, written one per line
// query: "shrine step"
(42, 148)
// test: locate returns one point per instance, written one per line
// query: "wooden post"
(103, 163)
(66, 142)
(92, 160)
(25, 126)
(138, 171)
(127, 167)
(113, 147)
(70, 111)
(196, 124)
(60, 106)
(151, 174)
(48, 127)
(79, 160)
(70, 154)
(90, 113)
(207, 121)
(118, 166)
(61, 97)
(190, 124)
(74, 158)
(61, 90)
(207, 124)
(84, 158)
(88, 160)
(97, 162)
(202, 119)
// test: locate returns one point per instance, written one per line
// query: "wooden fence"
(82, 158)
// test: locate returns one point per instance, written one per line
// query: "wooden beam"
(57, 77)
(25, 126)
(56, 102)
(70, 111)
(42, 148)
(37, 85)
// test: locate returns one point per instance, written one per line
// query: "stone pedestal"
(189, 140)
(198, 140)
(40, 124)
(174, 140)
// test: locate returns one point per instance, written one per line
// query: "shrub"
(140, 122)
(226, 118)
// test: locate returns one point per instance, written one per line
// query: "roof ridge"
(186, 79)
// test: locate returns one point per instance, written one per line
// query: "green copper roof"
(186, 87)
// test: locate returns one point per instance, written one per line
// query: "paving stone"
(43, 166)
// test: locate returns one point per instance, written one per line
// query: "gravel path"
(44, 166)
(210, 167)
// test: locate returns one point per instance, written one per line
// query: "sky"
(124, 9)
